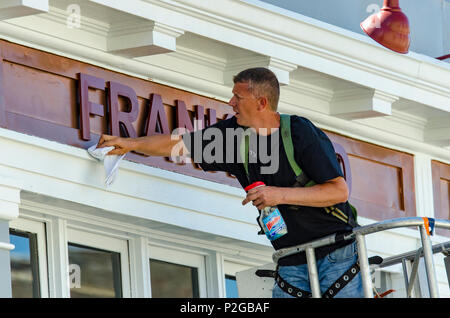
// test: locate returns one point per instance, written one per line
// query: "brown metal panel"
(3, 123)
(382, 179)
(441, 192)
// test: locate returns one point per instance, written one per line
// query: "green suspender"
(244, 153)
(301, 179)
(285, 126)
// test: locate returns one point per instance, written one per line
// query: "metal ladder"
(359, 234)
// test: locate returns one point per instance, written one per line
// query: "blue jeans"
(330, 268)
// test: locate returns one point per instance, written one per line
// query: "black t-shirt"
(313, 152)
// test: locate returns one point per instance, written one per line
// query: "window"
(173, 280)
(28, 259)
(231, 286)
(176, 273)
(24, 265)
(230, 269)
(94, 272)
(98, 265)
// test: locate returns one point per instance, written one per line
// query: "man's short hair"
(262, 82)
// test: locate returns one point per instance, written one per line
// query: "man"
(254, 101)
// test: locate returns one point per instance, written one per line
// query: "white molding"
(423, 181)
(18, 8)
(58, 258)
(302, 88)
(142, 39)
(362, 131)
(61, 17)
(411, 76)
(282, 69)
(315, 45)
(9, 199)
(139, 267)
(437, 131)
(215, 285)
(108, 224)
(361, 103)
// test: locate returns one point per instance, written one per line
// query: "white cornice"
(19, 8)
(200, 58)
(161, 68)
(304, 42)
(87, 24)
(313, 91)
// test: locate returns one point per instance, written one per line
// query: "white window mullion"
(139, 267)
(58, 258)
(215, 274)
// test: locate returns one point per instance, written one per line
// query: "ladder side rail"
(364, 266)
(429, 262)
(328, 240)
(447, 267)
(313, 273)
(364, 230)
(396, 223)
(360, 233)
(414, 271)
(410, 256)
(405, 273)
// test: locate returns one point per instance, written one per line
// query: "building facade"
(71, 70)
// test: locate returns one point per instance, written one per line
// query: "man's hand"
(329, 193)
(264, 196)
(122, 145)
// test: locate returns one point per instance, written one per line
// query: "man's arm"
(326, 194)
(155, 145)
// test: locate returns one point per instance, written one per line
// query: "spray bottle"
(270, 219)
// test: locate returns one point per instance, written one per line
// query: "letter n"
(157, 120)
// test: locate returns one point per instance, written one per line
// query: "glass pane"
(94, 273)
(173, 280)
(231, 286)
(24, 265)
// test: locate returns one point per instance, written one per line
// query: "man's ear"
(263, 103)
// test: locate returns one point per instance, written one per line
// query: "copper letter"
(119, 118)
(86, 107)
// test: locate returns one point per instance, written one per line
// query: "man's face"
(244, 104)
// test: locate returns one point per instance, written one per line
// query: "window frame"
(38, 228)
(181, 257)
(107, 243)
(231, 267)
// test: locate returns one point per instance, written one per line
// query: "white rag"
(111, 162)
